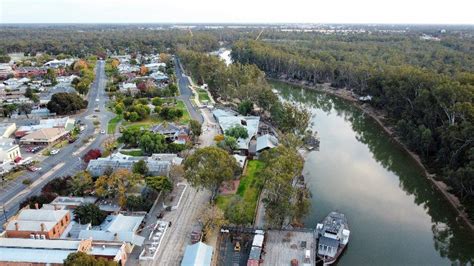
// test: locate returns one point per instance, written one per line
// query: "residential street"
(68, 161)
(186, 93)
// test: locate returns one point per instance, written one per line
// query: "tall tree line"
(428, 99)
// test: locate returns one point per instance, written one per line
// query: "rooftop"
(266, 141)
(197, 254)
(228, 119)
(283, 246)
(45, 134)
(73, 201)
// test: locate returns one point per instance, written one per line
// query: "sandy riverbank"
(378, 116)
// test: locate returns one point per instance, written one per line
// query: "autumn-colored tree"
(92, 155)
(212, 219)
(80, 65)
(143, 70)
(116, 185)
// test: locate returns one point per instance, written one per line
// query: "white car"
(53, 152)
(97, 99)
(102, 131)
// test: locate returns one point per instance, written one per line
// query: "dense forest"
(82, 40)
(426, 87)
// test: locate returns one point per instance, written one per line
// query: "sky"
(238, 11)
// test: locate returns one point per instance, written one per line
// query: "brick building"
(38, 224)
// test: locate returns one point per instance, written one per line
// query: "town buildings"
(45, 252)
(38, 224)
(158, 164)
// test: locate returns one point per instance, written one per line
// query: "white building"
(9, 151)
(158, 164)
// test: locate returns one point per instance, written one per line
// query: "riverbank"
(379, 117)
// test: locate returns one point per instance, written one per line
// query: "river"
(395, 214)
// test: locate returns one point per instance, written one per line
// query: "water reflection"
(361, 171)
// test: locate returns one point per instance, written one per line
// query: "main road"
(68, 161)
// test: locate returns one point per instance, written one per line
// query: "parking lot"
(234, 248)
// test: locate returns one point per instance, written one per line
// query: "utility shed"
(198, 254)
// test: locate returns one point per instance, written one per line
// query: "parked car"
(53, 152)
(102, 131)
(33, 168)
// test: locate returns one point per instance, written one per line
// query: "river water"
(396, 216)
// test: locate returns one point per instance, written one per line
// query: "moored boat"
(333, 237)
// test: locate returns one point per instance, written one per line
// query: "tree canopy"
(208, 167)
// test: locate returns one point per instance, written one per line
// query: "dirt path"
(378, 117)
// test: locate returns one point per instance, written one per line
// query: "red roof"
(252, 263)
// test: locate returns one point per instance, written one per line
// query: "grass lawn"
(14, 175)
(146, 124)
(186, 117)
(248, 190)
(112, 125)
(203, 96)
(133, 153)
(154, 119)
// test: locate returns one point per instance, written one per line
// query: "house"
(59, 63)
(65, 123)
(266, 142)
(42, 252)
(159, 76)
(156, 165)
(9, 151)
(44, 136)
(23, 72)
(126, 87)
(198, 254)
(228, 119)
(7, 129)
(119, 227)
(38, 224)
(153, 67)
(5, 70)
(172, 132)
(70, 203)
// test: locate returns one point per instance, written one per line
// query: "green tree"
(196, 128)
(51, 76)
(9, 109)
(140, 167)
(63, 103)
(81, 183)
(159, 183)
(25, 108)
(83, 259)
(237, 132)
(89, 213)
(245, 107)
(208, 167)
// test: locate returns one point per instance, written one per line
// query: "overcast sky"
(238, 11)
